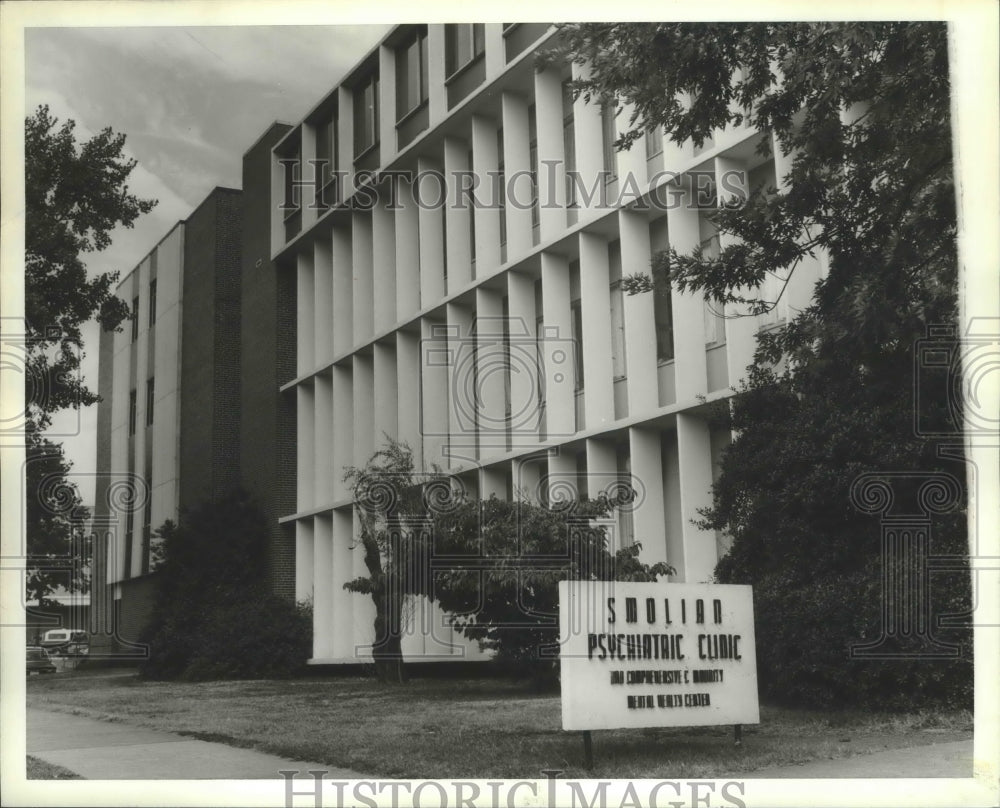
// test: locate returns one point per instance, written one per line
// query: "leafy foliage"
(75, 195)
(215, 616)
(507, 559)
(55, 511)
(861, 113)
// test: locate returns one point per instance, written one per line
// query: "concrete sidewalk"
(104, 750)
(952, 759)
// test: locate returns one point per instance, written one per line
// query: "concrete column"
(305, 354)
(556, 340)
(386, 398)
(364, 405)
(322, 587)
(640, 322)
(491, 381)
(551, 168)
(690, 371)
(362, 263)
(434, 409)
(632, 181)
(341, 290)
(305, 445)
(694, 453)
(492, 482)
(407, 254)
(384, 266)
(517, 174)
(345, 140)
(648, 508)
(561, 480)
(458, 212)
(307, 170)
(437, 96)
(462, 426)
(323, 438)
(589, 152)
(741, 329)
(322, 301)
(431, 192)
(526, 477)
(485, 165)
(496, 57)
(341, 572)
(408, 392)
(602, 467)
(387, 103)
(343, 427)
(304, 559)
(364, 608)
(525, 373)
(277, 200)
(595, 302)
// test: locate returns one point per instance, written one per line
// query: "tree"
(214, 616)
(506, 593)
(495, 565)
(394, 506)
(75, 195)
(861, 113)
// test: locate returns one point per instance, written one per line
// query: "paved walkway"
(104, 750)
(950, 759)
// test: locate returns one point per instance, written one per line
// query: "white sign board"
(656, 655)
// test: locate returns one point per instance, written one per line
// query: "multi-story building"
(168, 433)
(491, 331)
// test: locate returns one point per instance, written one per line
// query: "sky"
(190, 101)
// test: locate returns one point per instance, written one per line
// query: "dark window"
(129, 531)
(500, 189)
(152, 302)
(533, 163)
(366, 115)
(292, 165)
(654, 141)
(463, 44)
(608, 138)
(411, 73)
(147, 529)
(150, 384)
(326, 159)
(576, 315)
(135, 318)
(569, 145)
(132, 407)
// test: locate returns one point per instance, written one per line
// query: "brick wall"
(267, 442)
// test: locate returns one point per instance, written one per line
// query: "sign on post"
(656, 655)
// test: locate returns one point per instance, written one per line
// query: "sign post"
(656, 655)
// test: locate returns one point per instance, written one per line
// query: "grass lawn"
(469, 728)
(40, 770)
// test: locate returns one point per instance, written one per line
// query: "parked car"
(66, 642)
(38, 661)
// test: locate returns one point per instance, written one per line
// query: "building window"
(654, 142)
(411, 73)
(150, 384)
(152, 302)
(135, 318)
(576, 324)
(326, 162)
(366, 115)
(500, 191)
(608, 138)
(147, 530)
(569, 145)
(464, 43)
(132, 410)
(663, 315)
(533, 164)
(292, 164)
(129, 532)
(619, 367)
